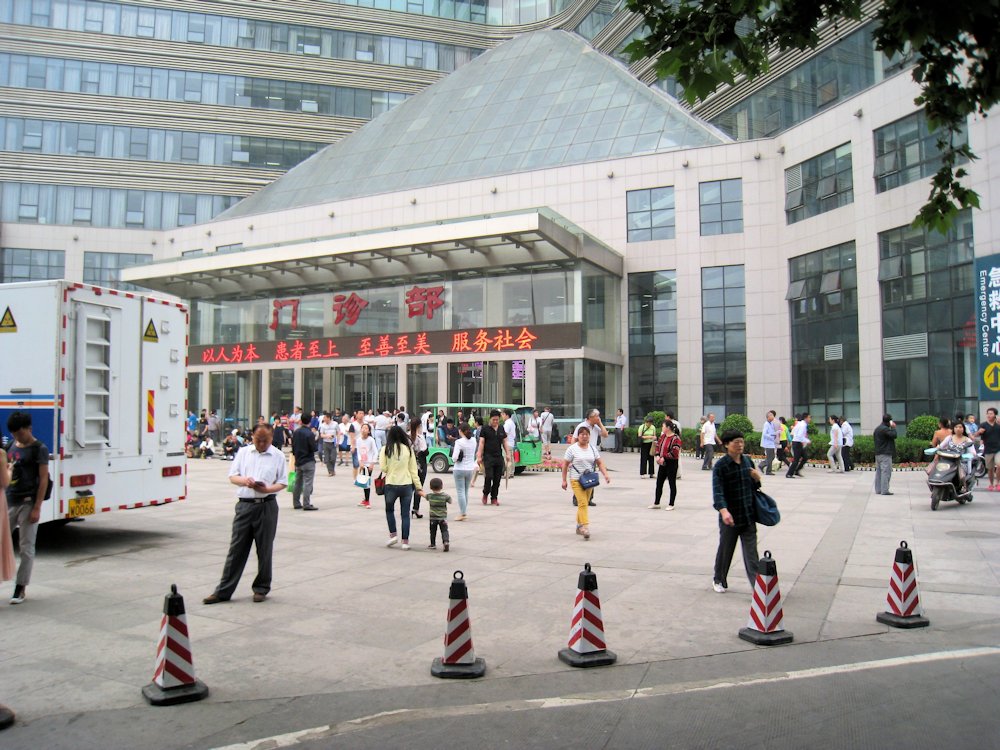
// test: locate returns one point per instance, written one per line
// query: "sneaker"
(446, 546)
(364, 504)
(654, 506)
(18, 595)
(404, 545)
(431, 546)
(392, 541)
(719, 588)
(461, 517)
(669, 507)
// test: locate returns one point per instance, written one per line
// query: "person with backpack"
(29, 485)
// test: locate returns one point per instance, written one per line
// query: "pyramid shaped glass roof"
(540, 100)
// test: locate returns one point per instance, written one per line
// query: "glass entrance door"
(500, 382)
(365, 388)
(236, 397)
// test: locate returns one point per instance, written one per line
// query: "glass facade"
(421, 385)
(837, 73)
(595, 21)
(650, 214)
(818, 185)
(139, 21)
(652, 343)
(906, 151)
(235, 396)
(280, 391)
(823, 307)
(928, 320)
(721, 206)
(724, 340)
(18, 264)
(484, 381)
(103, 269)
(31, 203)
(491, 12)
(517, 298)
(558, 384)
(151, 144)
(110, 79)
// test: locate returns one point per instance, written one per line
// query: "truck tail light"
(81, 480)
(171, 471)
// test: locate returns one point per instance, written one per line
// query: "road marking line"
(386, 718)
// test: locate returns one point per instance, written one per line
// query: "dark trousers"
(783, 453)
(768, 460)
(619, 441)
(492, 473)
(645, 459)
(254, 523)
(709, 452)
(443, 523)
(728, 535)
(846, 453)
(404, 493)
(422, 473)
(798, 458)
(666, 473)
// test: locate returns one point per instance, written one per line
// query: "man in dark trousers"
(490, 456)
(304, 450)
(885, 449)
(28, 458)
(259, 471)
(734, 479)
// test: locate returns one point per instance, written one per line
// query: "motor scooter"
(945, 480)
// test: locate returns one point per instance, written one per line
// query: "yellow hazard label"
(150, 334)
(7, 324)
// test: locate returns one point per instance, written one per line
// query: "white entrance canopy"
(523, 239)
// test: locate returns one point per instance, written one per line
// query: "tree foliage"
(705, 43)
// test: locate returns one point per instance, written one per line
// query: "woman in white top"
(835, 454)
(534, 427)
(463, 453)
(367, 458)
(343, 440)
(419, 443)
(582, 457)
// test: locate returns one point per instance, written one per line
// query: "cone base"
(157, 696)
(774, 638)
(6, 717)
(899, 621)
(458, 671)
(593, 659)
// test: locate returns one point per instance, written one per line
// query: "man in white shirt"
(621, 422)
(709, 439)
(328, 433)
(510, 429)
(260, 472)
(800, 439)
(382, 424)
(597, 429)
(848, 433)
(427, 426)
(546, 420)
(769, 439)
(295, 419)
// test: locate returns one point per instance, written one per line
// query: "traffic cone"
(903, 597)
(764, 626)
(586, 647)
(459, 661)
(173, 679)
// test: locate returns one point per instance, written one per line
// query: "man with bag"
(29, 484)
(734, 480)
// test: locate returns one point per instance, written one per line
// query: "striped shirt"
(581, 460)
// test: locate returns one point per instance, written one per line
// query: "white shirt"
(328, 431)
(511, 430)
(468, 447)
(534, 426)
(848, 431)
(581, 459)
(367, 451)
(800, 432)
(595, 434)
(269, 467)
(294, 420)
(836, 437)
(545, 421)
(383, 422)
(621, 422)
(708, 433)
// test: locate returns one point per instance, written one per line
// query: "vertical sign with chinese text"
(988, 326)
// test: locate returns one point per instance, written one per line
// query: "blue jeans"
(463, 481)
(405, 495)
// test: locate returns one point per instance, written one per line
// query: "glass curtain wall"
(281, 391)
(724, 340)
(823, 306)
(652, 343)
(313, 392)
(236, 398)
(421, 385)
(928, 320)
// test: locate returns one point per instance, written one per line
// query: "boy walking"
(438, 501)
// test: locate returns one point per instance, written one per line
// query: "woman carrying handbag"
(367, 456)
(581, 463)
(399, 464)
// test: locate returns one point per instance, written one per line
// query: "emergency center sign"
(988, 326)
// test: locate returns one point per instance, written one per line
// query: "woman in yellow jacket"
(399, 464)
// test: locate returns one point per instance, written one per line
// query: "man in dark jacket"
(885, 449)
(304, 450)
(734, 480)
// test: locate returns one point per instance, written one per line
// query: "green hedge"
(922, 427)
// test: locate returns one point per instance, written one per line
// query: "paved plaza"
(347, 614)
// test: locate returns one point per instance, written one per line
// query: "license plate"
(81, 506)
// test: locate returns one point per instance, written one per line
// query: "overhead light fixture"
(781, 149)
(757, 156)
(684, 164)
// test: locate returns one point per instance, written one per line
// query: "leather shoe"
(309, 507)
(592, 504)
(213, 599)
(888, 493)
(258, 598)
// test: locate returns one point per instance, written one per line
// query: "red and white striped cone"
(764, 626)
(173, 679)
(586, 647)
(903, 597)
(459, 661)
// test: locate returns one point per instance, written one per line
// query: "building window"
(17, 264)
(650, 214)
(652, 343)
(928, 323)
(906, 151)
(104, 269)
(724, 340)
(823, 302)
(818, 185)
(721, 204)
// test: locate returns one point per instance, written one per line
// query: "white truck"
(103, 374)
